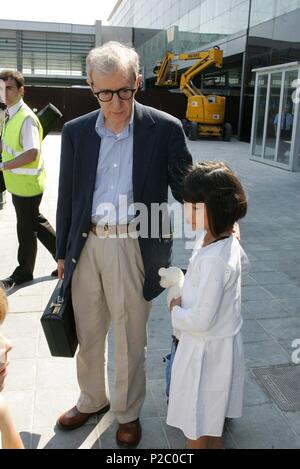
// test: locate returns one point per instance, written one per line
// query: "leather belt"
(112, 231)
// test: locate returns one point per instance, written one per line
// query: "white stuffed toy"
(172, 278)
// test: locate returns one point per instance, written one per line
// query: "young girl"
(208, 370)
(10, 438)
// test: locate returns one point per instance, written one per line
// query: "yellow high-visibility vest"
(29, 180)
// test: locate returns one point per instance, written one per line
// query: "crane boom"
(163, 71)
(205, 114)
(167, 73)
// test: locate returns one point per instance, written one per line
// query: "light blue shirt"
(286, 121)
(113, 191)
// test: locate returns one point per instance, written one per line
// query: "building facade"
(52, 58)
(251, 33)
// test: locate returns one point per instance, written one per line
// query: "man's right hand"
(61, 268)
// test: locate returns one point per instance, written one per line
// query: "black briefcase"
(48, 117)
(59, 324)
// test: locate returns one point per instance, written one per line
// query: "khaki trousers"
(107, 289)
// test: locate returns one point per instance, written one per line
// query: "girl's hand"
(61, 268)
(175, 302)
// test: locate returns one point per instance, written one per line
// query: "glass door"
(260, 110)
(286, 118)
(273, 116)
(276, 117)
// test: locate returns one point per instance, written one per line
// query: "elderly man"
(130, 152)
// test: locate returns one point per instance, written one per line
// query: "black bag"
(48, 117)
(59, 324)
(168, 359)
(2, 183)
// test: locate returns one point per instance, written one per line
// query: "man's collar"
(102, 130)
(13, 109)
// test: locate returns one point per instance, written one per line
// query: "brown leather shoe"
(129, 434)
(73, 418)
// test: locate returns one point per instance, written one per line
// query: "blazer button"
(74, 261)
(84, 235)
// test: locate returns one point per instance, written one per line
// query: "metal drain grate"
(282, 383)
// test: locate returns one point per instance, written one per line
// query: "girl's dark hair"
(216, 185)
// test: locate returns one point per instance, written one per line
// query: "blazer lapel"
(91, 150)
(143, 143)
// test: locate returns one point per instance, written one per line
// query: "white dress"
(208, 370)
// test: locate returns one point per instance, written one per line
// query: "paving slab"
(263, 427)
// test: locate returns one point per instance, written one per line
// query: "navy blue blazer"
(160, 159)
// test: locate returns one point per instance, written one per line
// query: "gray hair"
(112, 57)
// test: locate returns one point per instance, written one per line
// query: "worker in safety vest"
(24, 176)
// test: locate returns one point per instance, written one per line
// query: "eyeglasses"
(107, 95)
